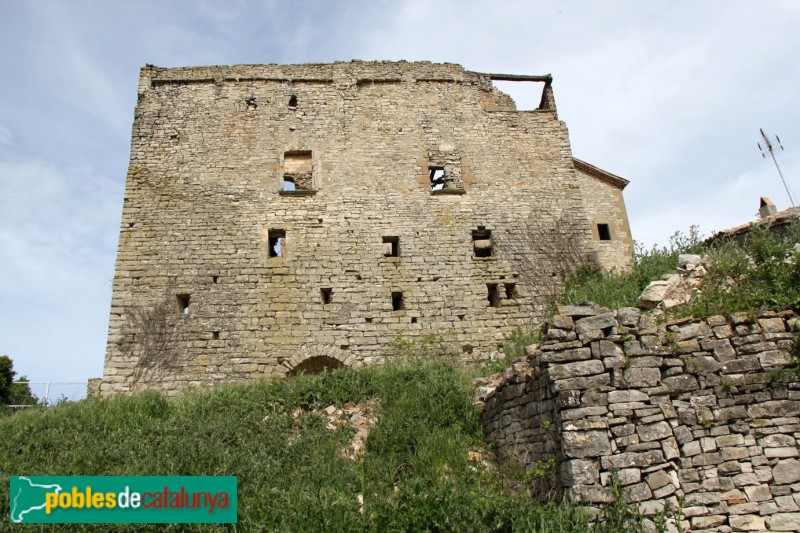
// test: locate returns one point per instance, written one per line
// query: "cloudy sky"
(668, 94)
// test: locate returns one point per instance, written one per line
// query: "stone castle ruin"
(281, 219)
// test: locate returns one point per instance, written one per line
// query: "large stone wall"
(225, 273)
(690, 414)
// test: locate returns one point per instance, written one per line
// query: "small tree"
(13, 393)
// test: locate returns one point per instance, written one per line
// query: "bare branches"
(149, 336)
(546, 253)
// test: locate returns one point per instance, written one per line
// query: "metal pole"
(772, 154)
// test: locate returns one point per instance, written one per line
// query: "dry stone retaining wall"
(689, 414)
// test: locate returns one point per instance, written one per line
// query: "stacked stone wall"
(694, 414)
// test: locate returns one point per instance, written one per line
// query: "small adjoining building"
(281, 219)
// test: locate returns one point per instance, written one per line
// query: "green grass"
(414, 476)
(622, 289)
(764, 272)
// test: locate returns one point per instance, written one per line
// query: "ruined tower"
(289, 218)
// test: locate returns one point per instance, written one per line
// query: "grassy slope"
(415, 475)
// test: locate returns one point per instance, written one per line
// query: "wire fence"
(54, 392)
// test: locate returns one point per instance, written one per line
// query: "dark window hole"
(397, 301)
(493, 295)
(511, 291)
(215, 335)
(604, 232)
(327, 295)
(183, 303)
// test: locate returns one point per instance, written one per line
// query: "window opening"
(298, 169)
(215, 335)
(397, 301)
(482, 242)
(493, 295)
(604, 232)
(183, 303)
(215, 279)
(437, 178)
(277, 242)
(511, 291)
(522, 95)
(293, 101)
(327, 295)
(391, 246)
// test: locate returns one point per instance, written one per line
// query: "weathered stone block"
(576, 369)
(631, 459)
(784, 522)
(678, 384)
(580, 472)
(594, 323)
(786, 471)
(580, 444)
(748, 522)
(565, 356)
(657, 431)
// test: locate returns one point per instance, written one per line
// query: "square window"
(298, 172)
(511, 291)
(391, 246)
(397, 301)
(277, 243)
(183, 303)
(482, 242)
(603, 232)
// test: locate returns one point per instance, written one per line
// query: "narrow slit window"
(604, 232)
(493, 295)
(277, 243)
(215, 279)
(391, 246)
(482, 242)
(511, 291)
(183, 303)
(327, 295)
(397, 301)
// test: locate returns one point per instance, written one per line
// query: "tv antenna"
(770, 145)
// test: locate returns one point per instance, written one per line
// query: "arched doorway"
(315, 365)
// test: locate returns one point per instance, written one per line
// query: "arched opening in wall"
(316, 365)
